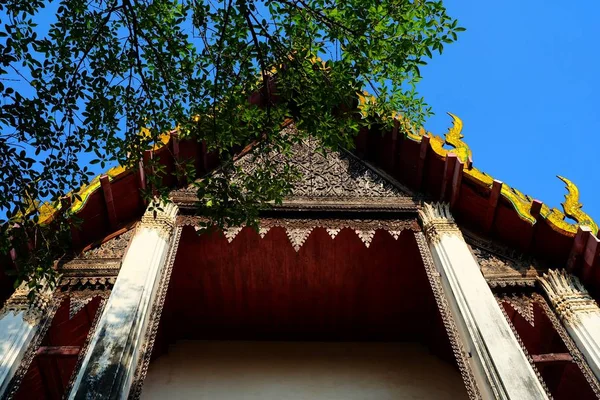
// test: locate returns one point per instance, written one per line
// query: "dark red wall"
(49, 375)
(565, 381)
(332, 289)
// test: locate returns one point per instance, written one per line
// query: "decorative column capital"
(32, 310)
(160, 216)
(568, 295)
(438, 221)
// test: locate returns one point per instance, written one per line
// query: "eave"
(418, 161)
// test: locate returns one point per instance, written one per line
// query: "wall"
(331, 289)
(300, 370)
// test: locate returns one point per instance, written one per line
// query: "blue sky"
(525, 80)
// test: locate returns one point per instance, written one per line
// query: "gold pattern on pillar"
(568, 296)
(437, 221)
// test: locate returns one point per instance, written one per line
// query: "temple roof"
(435, 168)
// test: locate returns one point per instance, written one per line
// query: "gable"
(330, 181)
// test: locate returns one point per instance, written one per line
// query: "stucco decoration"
(155, 316)
(568, 296)
(458, 348)
(231, 233)
(160, 218)
(522, 304)
(298, 236)
(437, 221)
(578, 311)
(19, 343)
(79, 299)
(333, 232)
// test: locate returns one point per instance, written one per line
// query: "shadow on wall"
(301, 370)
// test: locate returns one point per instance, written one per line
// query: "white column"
(579, 312)
(19, 322)
(108, 367)
(501, 368)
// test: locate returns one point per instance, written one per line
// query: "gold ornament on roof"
(453, 139)
(47, 210)
(572, 209)
(521, 202)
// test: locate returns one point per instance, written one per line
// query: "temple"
(398, 270)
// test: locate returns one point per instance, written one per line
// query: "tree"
(85, 77)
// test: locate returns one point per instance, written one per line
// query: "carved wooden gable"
(504, 266)
(331, 180)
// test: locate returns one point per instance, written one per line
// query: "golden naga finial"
(573, 208)
(454, 138)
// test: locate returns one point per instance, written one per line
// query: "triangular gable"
(333, 180)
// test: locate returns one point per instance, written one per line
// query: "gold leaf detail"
(454, 138)
(572, 206)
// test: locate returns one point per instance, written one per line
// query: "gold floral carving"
(453, 138)
(438, 221)
(329, 180)
(520, 202)
(503, 273)
(568, 296)
(111, 249)
(103, 260)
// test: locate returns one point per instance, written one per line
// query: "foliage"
(81, 78)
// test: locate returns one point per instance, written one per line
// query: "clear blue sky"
(525, 80)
